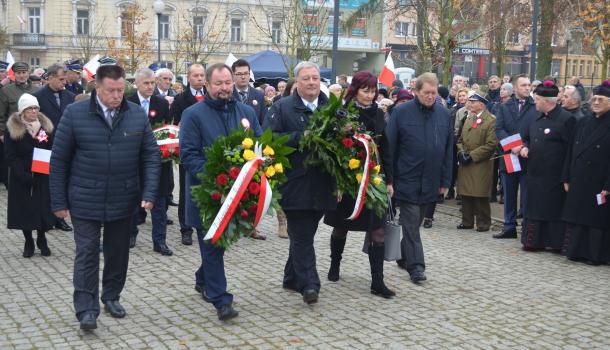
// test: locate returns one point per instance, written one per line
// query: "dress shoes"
(61, 224)
(171, 203)
(169, 222)
(163, 249)
(28, 248)
(418, 276)
(427, 223)
(132, 242)
(310, 296)
(88, 322)
(464, 227)
(226, 312)
(506, 234)
(114, 308)
(187, 238)
(204, 294)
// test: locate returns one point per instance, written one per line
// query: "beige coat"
(475, 179)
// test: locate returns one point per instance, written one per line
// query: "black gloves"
(464, 158)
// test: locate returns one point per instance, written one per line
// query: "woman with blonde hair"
(29, 203)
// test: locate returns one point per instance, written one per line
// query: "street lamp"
(159, 7)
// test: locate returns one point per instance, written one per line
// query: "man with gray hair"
(157, 110)
(571, 101)
(164, 84)
(309, 191)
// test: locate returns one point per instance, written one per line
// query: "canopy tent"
(270, 65)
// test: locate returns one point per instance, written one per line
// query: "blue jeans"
(513, 184)
(211, 273)
(159, 220)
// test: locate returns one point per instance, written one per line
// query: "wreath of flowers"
(167, 139)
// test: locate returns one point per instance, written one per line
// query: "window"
(513, 37)
(34, 19)
(359, 27)
(34, 61)
(164, 27)
(404, 2)
(236, 30)
(276, 32)
(588, 68)
(311, 23)
(413, 29)
(331, 22)
(580, 68)
(82, 22)
(166, 64)
(126, 24)
(555, 68)
(401, 29)
(198, 26)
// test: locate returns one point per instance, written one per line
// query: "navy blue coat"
(307, 188)
(96, 170)
(201, 125)
(421, 143)
(256, 100)
(48, 103)
(509, 122)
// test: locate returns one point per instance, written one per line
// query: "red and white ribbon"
(364, 139)
(171, 142)
(224, 215)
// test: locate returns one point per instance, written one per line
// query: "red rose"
(361, 154)
(172, 136)
(244, 214)
(215, 196)
(253, 208)
(165, 153)
(177, 151)
(371, 164)
(222, 179)
(254, 188)
(245, 196)
(234, 172)
(347, 142)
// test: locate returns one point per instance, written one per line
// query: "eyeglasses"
(599, 99)
(246, 74)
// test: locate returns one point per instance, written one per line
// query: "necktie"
(521, 104)
(109, 117)
(311, 106)
(145, 105)
(199, 96)
(57, 99)
(244, 96)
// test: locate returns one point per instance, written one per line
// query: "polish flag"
(9, 70)
(512, 163)
(91, 67)
(20, 19)
(511, 142)
(601, 199)
(41, 161)
(387, 76)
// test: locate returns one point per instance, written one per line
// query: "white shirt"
(314, 102)
(104, 108)
(194, 92)
(164, 93)
(476, 116)
(142, 98)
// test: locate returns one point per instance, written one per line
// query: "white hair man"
(571, 101)
(164, 78)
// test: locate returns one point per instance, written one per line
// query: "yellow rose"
(377, 180)
(278, 168)
(268, 151)
(248, 154)
(354, 163)
(377, 168)
(247, 143)
(359, 178)
(270, 171)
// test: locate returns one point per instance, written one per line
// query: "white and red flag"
(91, 67)
(511, 142)
(512, 163)
(41, 161)
(387, 76)
(601, 199)
(9, 70)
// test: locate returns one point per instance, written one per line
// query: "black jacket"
(181, 102)
(158, 114)
(307, 188)
(256, 100)
(48, 103)
(510, 121)
(170, 92)
(588, 173)
(548, 139)
(95, 169)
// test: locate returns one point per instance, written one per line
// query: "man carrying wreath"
(201, 125)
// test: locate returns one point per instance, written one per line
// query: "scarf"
(32, 127)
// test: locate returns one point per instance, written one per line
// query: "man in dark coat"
(193, 93)
(420, 136)
(546, 145)
(493, 92)
(74, 76)
(202, 124)
(157, 110)
(571, 101)
(103, 148)
(514, 117)
(164, 83)
(53, 99)
(587, 181)
(309, 191)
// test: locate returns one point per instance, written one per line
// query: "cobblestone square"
(481, 293)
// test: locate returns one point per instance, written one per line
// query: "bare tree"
(93, 38)
(3, 38)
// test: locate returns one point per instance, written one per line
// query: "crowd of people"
(434, 142)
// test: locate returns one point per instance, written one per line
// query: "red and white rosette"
(172, 141)
(224, 215)
(364, 139)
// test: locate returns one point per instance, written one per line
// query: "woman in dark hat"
(363, 92)
(29, 206)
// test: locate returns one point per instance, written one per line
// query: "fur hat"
(26, 101)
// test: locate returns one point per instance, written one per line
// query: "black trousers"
(87, 262)
(495, 177)
(300, 271)
(3, 165)
(182, 202)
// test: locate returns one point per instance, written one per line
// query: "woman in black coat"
(29, 205)
(363, 91)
